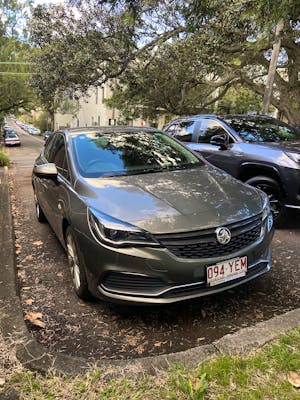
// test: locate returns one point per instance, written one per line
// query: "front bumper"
(186, 292)
(156, 276)
(291, 182)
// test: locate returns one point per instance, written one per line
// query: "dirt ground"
(97, 330)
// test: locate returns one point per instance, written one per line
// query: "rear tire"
(272, 189)
(76, 266)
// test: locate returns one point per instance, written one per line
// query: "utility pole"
(272, 67)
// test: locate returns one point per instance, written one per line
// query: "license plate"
(226, 271)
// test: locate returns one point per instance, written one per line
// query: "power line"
(15, 63)
(15, 73)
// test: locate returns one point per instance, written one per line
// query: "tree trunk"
(272, 67)
(51, 114)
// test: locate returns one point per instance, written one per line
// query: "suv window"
(208, 129)
(182, 131)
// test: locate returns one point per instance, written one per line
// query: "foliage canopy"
(172, 56)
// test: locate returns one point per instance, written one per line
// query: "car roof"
(107, 129)
(194, 118)
(249, 116)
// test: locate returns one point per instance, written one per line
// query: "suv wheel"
(273, 191)
(76, 266)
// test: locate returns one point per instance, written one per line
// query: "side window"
(208, 129)
(58, 156)
(49, 146)
(183, 131)
(172, 129)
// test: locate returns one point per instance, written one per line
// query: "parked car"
(7, 129)
(32, 130)
(258, 150)
(145, 220)
(46, 134)
(12, 139)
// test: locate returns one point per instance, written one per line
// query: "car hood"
(292, 146)
(174, 201)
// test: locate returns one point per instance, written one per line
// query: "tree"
(15, 92)
(72, 54)
(243, 45)
(218, 48)
(176, 56)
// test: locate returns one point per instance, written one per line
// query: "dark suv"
(258, 150)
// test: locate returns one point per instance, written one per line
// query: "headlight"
(267, 215)
(111, 231)
(294, 156)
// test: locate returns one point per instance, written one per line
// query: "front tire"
(76, 266)
(273, 191)
(39, 212)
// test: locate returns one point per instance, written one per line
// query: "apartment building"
(92, 111)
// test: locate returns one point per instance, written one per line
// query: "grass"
(4, 160)
(259, 375)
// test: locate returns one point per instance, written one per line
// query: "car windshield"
(126, 153)
(263, 130)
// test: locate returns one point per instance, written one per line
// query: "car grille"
(203, 244)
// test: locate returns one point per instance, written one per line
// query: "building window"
(92, 121)
(112, 121)
(103, 93)
(98, 120)
(97, 96)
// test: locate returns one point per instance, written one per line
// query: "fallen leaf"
(2, 381)
(29, 301)
(26, 288)
(157, 344)
(294, 379)
(38, 243)
(34, 318)
(131, 340)
(259, 314)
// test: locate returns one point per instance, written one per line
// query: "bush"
(4, 160)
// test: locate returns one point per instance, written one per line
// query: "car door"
(226, 158)
(41, 184)
(57, 196)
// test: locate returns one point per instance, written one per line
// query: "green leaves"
(193, 389)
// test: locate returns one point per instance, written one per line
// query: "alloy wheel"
(73, 262)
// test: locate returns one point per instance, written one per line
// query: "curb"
(37, 357)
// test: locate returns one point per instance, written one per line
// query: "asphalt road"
(98, 330)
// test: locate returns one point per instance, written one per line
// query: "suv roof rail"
(250, 116)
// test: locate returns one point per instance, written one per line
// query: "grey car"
(257, 149)
(146, 220)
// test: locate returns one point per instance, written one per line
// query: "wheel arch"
(250, 170)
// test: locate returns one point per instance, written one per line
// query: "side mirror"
(219, 140)
(47, 171)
